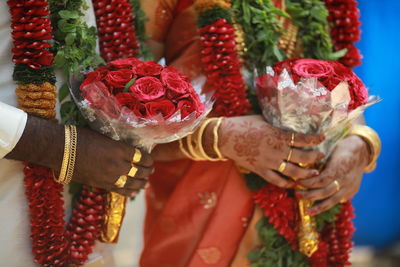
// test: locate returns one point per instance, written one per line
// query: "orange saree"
(197, 212)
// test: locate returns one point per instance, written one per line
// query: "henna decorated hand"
(259, 147)
(346, 167)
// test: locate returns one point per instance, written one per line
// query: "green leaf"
(59, 59)
(64, 26)
(70, 38)
(129, 84)
(69, 14)
(63, 92)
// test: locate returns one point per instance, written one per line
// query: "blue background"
(377, 204)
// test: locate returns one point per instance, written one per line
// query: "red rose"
(174, 81)
(147, 68)
(162, 106)
(91, 77)
(147, 89)
(96, 93)
(124, 63)
(125, 99)
(312, 68)
(119, 78)
(187, 106)
(111, 108)
(139, 109)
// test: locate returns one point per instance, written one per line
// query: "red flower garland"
(116, 31)
(222, 67)
(52, 243)
(281, 211)
(339, 237)
(345, 18)
(31, 29)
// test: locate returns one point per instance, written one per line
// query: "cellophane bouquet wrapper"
(140, 103)
(307, 96)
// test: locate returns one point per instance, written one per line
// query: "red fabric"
(180, 230)
(182, 5)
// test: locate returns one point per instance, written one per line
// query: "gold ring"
(292, 140)
(137, 157)
(133, 171)
(337, 185)
(120, 183)
(289, 157)
(282, 167)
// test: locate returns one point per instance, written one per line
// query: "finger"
(126, 192)
(305, 156)
(323, 180)
(296, 172)
(136, 171)
(278, 180)
(141, 158)
(327, 204)
(135, 184)
(318, 194)
(304, 140)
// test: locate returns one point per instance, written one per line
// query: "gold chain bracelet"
(69, 158)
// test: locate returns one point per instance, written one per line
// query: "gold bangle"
(184, 151)
(200, 134)
(68, 163)
(192, 148)
(216, 139)
(373, 142)
(64, 165)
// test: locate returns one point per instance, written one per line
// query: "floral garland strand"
(31, 31)
(221, 61)
(344, 17)
(116, 29)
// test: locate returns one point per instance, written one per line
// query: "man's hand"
(99, 162)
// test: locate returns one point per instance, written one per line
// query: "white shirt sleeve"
(12, 125)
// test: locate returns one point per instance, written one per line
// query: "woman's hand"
(345, 166)
(100, 161)
(259, 147)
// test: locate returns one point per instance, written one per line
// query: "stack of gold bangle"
(68, 163)
(373, 141)
(194, 143)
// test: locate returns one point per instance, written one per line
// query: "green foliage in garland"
(74, 48)
(140, 30)
(210, 16)
(276, 251)
(259, 19)
(24, 75)
(75, 41)
(311, 18)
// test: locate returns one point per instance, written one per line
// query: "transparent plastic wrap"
(307, 107)
(120, 123)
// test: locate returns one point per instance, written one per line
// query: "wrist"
(371, 144)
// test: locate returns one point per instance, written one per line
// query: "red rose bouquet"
(308, 96)
(312, 96)
(142, 103)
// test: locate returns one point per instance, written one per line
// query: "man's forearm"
(41, 143)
